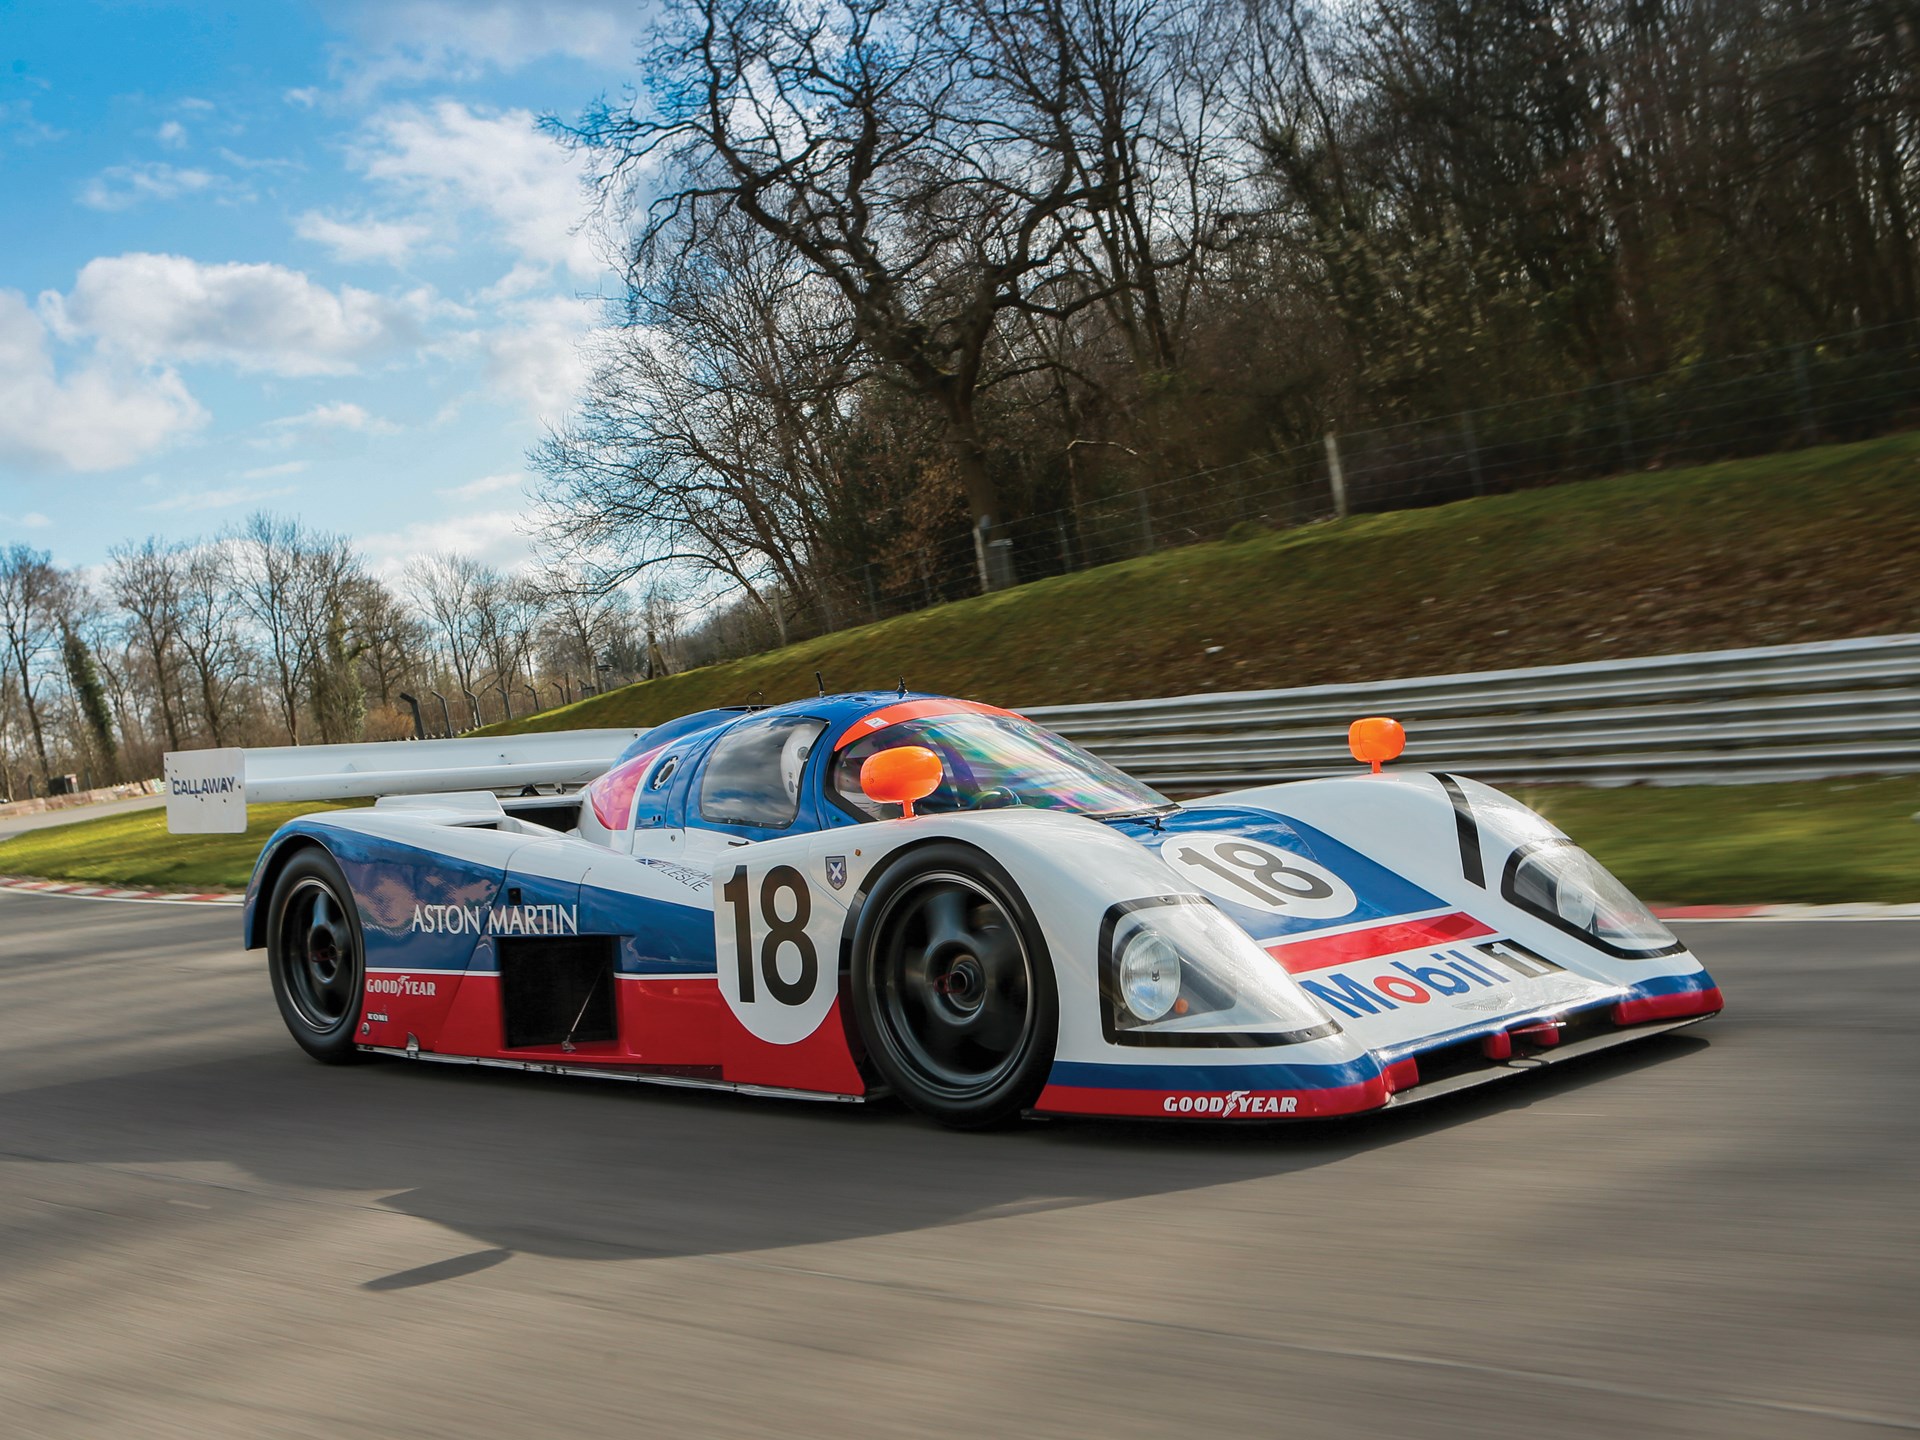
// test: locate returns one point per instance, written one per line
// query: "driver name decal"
(495, 920)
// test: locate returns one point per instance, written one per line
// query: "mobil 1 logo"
(1258, 876)
(779, 966)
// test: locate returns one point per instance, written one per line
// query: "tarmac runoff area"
(204, 1233)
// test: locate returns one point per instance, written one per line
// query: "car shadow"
(571, 1168)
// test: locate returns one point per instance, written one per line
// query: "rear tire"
(952, 988)
(317, 956)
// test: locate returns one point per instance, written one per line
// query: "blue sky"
(313, 258)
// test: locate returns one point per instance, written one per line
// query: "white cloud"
(100, 416)
(494, 537)
(32, 520)
(121, 187)
(391, 241)
(342, 415)
(413, 40)
(173, 135)
(17, 123)
(542, 360)
(194, 500)
(499, 163)
(152, 308)
(304, 97)
(486, 485)
(269, 472)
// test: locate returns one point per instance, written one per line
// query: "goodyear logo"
(1234, 1102)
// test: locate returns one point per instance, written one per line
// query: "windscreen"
(990, 762)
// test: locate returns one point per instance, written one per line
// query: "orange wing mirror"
(1376, 740)
(900, 776)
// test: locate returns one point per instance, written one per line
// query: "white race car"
(860, 894)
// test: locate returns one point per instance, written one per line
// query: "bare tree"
(32, 603)
(210, 636)
(869, 139)
(144, 580)
(291, 581)
(444, 586)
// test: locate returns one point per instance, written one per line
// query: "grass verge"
(1821, 842)
(134, 849)
(1816, 842)
(1814, 544)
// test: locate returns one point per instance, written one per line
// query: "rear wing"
(208, 791)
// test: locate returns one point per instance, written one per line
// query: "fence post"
(1625, 422)
(873, 603)
(1066, 555)
(1473, 454)
(419, 725)
(1803, 390)
(1336, 477)
(1146, 519)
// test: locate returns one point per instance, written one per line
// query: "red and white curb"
(81, 891)
(1787, 912)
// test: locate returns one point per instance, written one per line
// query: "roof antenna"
(820, 684)
(903, 685)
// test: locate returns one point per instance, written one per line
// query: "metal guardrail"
(1786, 712)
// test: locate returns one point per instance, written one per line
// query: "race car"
(909, 894)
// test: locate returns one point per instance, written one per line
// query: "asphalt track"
(203, 1233)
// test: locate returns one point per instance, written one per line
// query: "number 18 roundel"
(778, 962)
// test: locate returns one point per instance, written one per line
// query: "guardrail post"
(1336, 477)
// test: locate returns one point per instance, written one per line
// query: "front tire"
(952, 988)
(317, 956)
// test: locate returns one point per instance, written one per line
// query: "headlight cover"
(1562, 884)
(1174, 970)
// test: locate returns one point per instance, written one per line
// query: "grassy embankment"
(1814, 545)
(1817, 544)
(135, 849)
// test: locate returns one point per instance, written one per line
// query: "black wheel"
(952, 988)
(315, 955)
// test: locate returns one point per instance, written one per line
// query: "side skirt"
(598, 1072)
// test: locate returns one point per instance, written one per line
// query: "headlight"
(1149, 975)
(1174, 970)
(1565, 886)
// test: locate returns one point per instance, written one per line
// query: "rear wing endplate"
(208, 791)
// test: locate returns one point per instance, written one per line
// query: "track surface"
(203, 1233)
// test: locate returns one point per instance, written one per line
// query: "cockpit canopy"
(992, 761)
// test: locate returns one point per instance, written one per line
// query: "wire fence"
(1841, 388)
